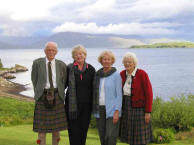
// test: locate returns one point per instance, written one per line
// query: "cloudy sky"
(150, 18)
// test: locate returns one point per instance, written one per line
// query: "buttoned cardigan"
(141, 90)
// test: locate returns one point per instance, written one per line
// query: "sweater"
(141, 90)
(113, 94)
(84, 86)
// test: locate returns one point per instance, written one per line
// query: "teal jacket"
(38, 77)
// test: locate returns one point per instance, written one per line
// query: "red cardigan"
(141, 90)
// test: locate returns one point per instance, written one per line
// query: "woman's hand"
(116, 117)
(147, 118)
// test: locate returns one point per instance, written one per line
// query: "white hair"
(53, 43)
(131, 55)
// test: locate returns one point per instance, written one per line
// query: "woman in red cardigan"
(137, 103)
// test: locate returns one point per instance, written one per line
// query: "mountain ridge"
(69, 39)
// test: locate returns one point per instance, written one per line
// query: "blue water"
(171, 70)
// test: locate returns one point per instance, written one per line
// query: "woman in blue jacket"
(108, 99)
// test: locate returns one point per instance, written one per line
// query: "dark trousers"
(108, 131)
(77, 129)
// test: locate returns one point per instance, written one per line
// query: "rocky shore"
(7, 73)
(10, 89)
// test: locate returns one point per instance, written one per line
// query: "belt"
(47, 90)
(126, 96)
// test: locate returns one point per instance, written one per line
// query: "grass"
(14, 112)
(23, 135)
(2, 68)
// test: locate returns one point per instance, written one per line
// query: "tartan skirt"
(133, 129)
(49, 120)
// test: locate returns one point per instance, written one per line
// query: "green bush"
(177, 113)
(163, 136)
(14, 112)
(10, 120)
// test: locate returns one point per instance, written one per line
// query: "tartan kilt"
(133, 129)
(49, 120)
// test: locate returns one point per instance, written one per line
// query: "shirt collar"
(52, 62)
(133, 73)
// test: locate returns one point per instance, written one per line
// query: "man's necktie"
(50, 75)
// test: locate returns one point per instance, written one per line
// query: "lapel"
(57, 70)
(43, 68)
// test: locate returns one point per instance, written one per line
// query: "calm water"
(171, 71)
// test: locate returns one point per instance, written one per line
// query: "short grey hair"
(79, 48)
(130, 55)
(109, 53)
(54, 43)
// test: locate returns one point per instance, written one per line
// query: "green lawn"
(23, 135)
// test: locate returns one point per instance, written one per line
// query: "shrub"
(177, 113)
(10, 120)
(163, 136)
(14, 112)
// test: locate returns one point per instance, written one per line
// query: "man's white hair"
(53, 43)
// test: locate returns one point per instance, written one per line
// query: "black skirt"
(133, 129)
(49, 120)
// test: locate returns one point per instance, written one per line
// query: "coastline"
(12, 90)
(166, 45)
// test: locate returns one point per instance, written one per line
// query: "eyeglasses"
(128, 62)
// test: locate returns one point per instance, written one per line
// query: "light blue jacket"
(113, 94)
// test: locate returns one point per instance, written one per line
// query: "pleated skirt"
(49, 120)
(133, 129)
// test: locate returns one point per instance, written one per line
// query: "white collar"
(52, 62)
(133, 73)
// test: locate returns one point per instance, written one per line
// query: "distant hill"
(21, 41)
(7, 45)
(161, 40)
(167, 45)
(69, 39)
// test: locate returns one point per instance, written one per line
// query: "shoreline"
(13, 91)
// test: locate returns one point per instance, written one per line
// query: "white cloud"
(27, 10)
(98, 7)
(136, 10)
(123, 28)
(160, 9)
(96, 16)
(14, 30)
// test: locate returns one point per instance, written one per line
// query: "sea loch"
(171, 70)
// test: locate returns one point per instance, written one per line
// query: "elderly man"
(49, 78)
